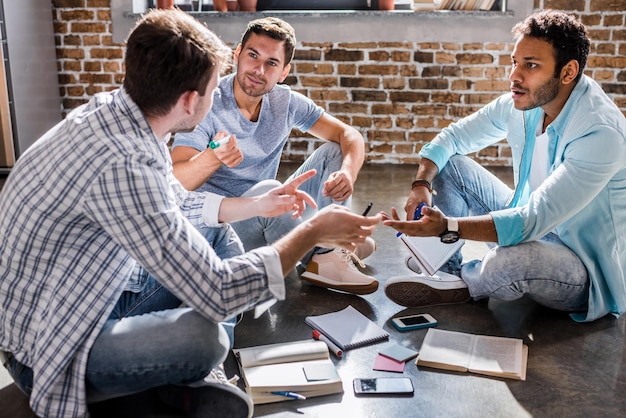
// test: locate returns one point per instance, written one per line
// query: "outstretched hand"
(286, 197)
(432, 223)
(336, 226)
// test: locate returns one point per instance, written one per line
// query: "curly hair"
(275, 28)
(567, 35)
(168, 52)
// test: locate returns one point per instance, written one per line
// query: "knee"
(207, 341)
(261, 187)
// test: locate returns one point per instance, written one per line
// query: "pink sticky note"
(388, 364)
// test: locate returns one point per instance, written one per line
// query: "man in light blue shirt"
(237, 148)
(559, 237)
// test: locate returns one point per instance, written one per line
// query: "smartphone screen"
(383, 385)
(414, 320)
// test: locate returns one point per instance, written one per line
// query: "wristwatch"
(451, 234)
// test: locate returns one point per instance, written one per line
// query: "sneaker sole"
(357, 289)
(205, 401)
(415, 295)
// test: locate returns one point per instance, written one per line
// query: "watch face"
(449, 237)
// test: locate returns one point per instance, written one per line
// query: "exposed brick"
(347, 108)
(601, 75)
(565, 4)
(432, 71)
(607, 62)
(357, 45)
(390, 109)
(95, 78)
(451, 71)
(364, 121)
(73, 53)
(77, 14)
(408, 96)
(600, 34)
(393, 83)
(473, 59)
(405, 123)
(59, 4)
(428, 84)
(84, 27)
(491, 85)
(445, 58)
(318, 81)
(346, 69)
(400, 56)
(603, 5)
(382, 123)
(614, 20)
(307, 55)
(408, 71)
(369, 96)
(343, 55)
(71, 40)
(591, 20)
(379, 55)
(106, 53)
(352, 82)
(619, 35)
(370, 69)
(425, 57)
(98, 3)
(92, 66)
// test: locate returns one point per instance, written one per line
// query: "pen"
(215, 144)
(331, 346)
(367, 209)
(416, 215)
(292, 395)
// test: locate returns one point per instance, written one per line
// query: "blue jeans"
(547, 271)
(149, 340)
(258, 232)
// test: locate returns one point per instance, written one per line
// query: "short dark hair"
(275, 28)
(169, 52)
(568, 36)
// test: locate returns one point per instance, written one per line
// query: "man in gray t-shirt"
(236, 151)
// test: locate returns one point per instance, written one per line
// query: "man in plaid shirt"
(114, 279)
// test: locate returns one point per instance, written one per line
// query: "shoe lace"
(350, 258)
(220, 375)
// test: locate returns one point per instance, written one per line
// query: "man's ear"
(285, 73)
(569, 71)
(236, 54)
(189, 101)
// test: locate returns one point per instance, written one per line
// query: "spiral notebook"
(347, 328)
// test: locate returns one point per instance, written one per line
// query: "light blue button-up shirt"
(584, 197)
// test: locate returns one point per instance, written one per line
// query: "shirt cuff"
(211, 209)
(274, 270)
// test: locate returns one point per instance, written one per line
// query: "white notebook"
(430, 253)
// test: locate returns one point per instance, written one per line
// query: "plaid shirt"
(86, 204)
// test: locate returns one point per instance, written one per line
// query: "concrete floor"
(574, 370)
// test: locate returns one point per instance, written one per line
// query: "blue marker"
(292, 395)
(417, 215)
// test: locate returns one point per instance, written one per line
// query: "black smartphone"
(383, 386)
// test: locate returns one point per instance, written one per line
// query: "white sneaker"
(336, 270)
(412, 264)
(365, 249)
(417, 291)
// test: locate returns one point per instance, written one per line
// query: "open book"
(302, 367)
(429, 252)
(481, 354)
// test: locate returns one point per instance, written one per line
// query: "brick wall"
(399, 95)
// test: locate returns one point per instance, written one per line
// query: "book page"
(286, 376)
(442, 348)
(282, 353)
(498, 355)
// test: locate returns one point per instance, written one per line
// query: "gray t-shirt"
(260, 142)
